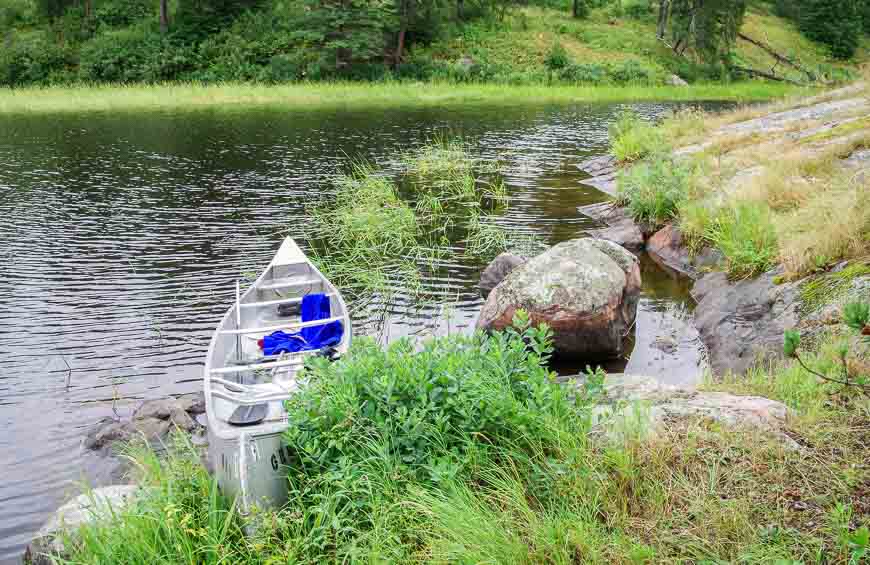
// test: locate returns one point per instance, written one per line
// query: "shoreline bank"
(362, 96)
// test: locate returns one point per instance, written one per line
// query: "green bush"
(586, 73)
(368, 431)
(557, 58)
(123, 13)
(632, 138)
(631, 72)
(37, 61)
(654, 189)
(137, 54)
(836, 23)
(746, 236)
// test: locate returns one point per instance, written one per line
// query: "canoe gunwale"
(226, 431)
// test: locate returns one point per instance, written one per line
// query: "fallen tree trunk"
(780, 58)
(763, 74)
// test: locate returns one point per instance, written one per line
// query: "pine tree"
(836, 23)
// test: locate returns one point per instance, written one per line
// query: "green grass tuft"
(746, 235)
(631, 138)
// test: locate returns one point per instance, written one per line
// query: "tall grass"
(306, 97)
(181, 517)
(632, 138)
(746, 235)
(654, 189)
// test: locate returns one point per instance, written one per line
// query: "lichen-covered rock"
(674, 80)
(84, 509)
(586, 290)
(498, 269)
(743, 322)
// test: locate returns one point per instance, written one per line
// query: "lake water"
(122, 235)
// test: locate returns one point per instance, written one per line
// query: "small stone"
(193, 403)
(498, 269)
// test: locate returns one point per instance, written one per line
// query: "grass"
(377, 237)
(763, 198)
(633, 138)
(466, 452)
(306, 97)
(653, 190)
(746, 235)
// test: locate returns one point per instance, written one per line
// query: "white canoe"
(245, 390)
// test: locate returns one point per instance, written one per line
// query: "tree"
(708, 27)
(164, 17)
(580, 9)
(836, 23)
(343, 30)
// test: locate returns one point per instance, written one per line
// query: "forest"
(48, 42)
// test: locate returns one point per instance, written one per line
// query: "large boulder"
(86, 508)
(498, 269)
(743, 322)
(586, 290)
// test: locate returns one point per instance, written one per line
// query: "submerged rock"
(498, 269)
(668, 249)
(86, 508)
(586, 290)
(743, 322)
(153, 420)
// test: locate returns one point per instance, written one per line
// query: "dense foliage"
(836, 23)
(64, 41)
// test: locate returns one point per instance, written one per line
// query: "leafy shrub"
(557, 58)
(638, 9)
(654, 189)
(588, 73)
(129, 55)
(631, 72)
(123, 13)
(632, 138)
(836, 23)
(746, 235)
(37, 61)
(377, 425)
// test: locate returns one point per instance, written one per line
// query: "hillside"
(123, 41)
(603, 45)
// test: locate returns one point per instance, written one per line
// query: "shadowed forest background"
(527, 42)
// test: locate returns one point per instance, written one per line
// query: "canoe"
(246, 382)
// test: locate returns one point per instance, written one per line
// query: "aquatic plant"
(380, 236)
(632, 138)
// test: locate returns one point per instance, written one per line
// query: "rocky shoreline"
(741, 323)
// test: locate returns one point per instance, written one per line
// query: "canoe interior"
(248, 460)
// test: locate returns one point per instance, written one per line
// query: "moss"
(824, 289)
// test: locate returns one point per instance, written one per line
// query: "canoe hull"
(251, 469)
(250, 460)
